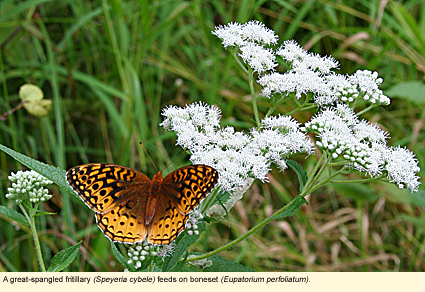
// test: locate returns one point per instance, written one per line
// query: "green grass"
(111, 66)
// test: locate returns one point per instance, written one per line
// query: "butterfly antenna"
(149, 156)
(184, 150)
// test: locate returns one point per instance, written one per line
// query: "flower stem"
(302, 107)
(241, 238)
(31, 220)
(239, 62)
(366, 109)
(275, 104)
(357, 180)
(151, 266)
(254, 99)
(251, 87)
(314, 186)
(311, 175)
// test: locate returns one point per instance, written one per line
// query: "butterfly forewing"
(104, 186)
(187, 186)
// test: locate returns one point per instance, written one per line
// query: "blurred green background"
(110, 67)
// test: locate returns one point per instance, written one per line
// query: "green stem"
(254, 100)
(314, 187)
(275, 104)
(151, 266)
(251, 87)
(31, 219)
(338, 163)
(311, 174)
(300, 108)
(316, 175)
(357, 180)
(366, 110)
(239, 62)
(241, 238)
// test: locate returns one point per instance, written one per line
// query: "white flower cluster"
(165, 250)
(28, 186)
(307, 73)
(250, 38)
(363, 145)
(192, 222)
(402, 166)
(367, 84)
(236, 34)
(138, 252)
(141, 251)
(236, 156)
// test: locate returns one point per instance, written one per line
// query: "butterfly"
(130, 207)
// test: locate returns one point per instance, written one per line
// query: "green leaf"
(190, 269)
(182, 243)
(223, 265)
(180, 265)
(64, 258)
(413, 91)
(14, 215)
(292, 207)
(121, 258)
(50, 172)
(301, 173)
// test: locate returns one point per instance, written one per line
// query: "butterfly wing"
(186, 187)
(167, 224)
(104, 186)
(181, 191)
(124, 223)
(117, 194)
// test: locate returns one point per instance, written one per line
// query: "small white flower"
(165, 250)
(280, 122)
(302, 60)
(256, 31)
(257, 57)
(192, 223)
(235, 34)
(371, 132)
(230, 34)
(28, 186)
(298, 82)
(367, 83)
(402, 166)
(347, 114)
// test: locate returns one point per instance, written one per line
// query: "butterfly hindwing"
(123, 224)
(167, 224)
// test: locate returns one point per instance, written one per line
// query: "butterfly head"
(157, 181)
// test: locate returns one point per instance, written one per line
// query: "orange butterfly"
(130, 207)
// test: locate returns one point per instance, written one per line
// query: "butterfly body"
(130, 207)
